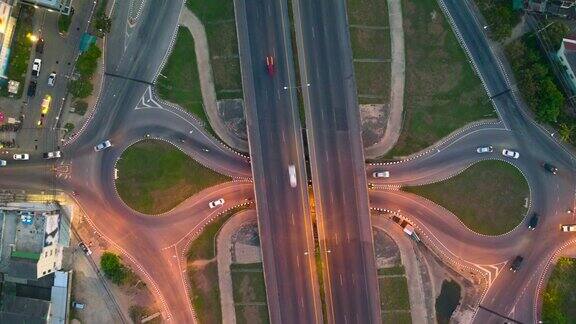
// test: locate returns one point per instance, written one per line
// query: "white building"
(567, 57)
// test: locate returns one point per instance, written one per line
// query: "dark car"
(550, 168)
(32, 89)
(533, 222)
(40, 46)
(516, 263)
(84, 248)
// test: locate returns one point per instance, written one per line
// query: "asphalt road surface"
(337, 162)
(275, 139)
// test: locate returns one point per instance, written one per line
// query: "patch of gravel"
(246, 244)
(374, 118)
(386, 250)
(232, 113)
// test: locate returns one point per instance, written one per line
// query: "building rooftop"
(15, 309)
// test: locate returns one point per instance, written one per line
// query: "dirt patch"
(232, 113)
(386, 250)
(374, 118)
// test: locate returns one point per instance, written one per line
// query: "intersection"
(128, 111)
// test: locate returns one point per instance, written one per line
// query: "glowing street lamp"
(33, 38)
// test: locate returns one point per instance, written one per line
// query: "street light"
(33, 38)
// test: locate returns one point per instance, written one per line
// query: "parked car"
(36, 67)
(516, 264)
(32, 89)
(23, 156)
(485, 149)
(84, 248)
(52, 79)
(104, 145)
(533, 222)
(52, 155)
(78, 305)
(216, 203)
(568, 228)
(40, 46)
(381, 174)
(2, 163)
(510, 154)
(550, 168)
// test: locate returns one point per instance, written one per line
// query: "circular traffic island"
(154, 177)
(490, 197)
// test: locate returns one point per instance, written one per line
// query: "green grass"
(205, 293)
(248, 284)
(367, 12)
(21, 47)
(64, 22)
(397, 270)
(251, 314)
(373, 78)
(442, 92)
(155, 177)
(370, 43)
(218, 19)
(489, 197)
(179, 82)
(559, 297)
(447, 301)
(397, 318)
(394, 293)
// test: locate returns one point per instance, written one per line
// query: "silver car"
(485, 149)
(510, 154)
(216, 203)
(23, 156)
(104, 145)
(2, 163)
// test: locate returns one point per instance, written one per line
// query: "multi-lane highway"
(155, 245)
(275, 138)
(337, 162)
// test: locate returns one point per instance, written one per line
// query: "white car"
(485, 149)
(381, 174)
(2, 163)
(52, 79)
(292, 175)
(104, 145)
(510, 154)
(36, 67)
(569, 228)
(23, 156)
(52, 155)
(216, 203)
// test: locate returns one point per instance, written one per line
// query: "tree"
(80, 107)
(112, 268)
(68, 127)
(550, 103)
(88, 61)
(103, 23)
(80, 88)
(566, 132)
(555, 33)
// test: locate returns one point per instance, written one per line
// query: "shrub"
(80, 88)
(80, 107)
(69, 127)
(88, 61)
(113, 268)
(64, 22)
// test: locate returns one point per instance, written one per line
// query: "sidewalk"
(397, 74)
(194, 25)
(224, 246)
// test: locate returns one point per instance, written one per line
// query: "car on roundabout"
(533, 222)
(23, 156)
(102, 146)
(52, 155)
(510, 154)
(381, 174)
(216, 203)
(2, 163)
(485, 149)
(550, 168)
(568, 228)
(516, 264)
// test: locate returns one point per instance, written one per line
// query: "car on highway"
(568, 228)
(2, 163)
(52, 155)
(485, 149)
(292, 175)
(40, 46)
(510, 154)
(84, 248)
(381, 174)
(36, 67)
(104, 145)
(516, 264)
(270, 65)
(44, 108)
(550, 168)
(23, 156)
(533, 222)
(216, 203)
(32, 88)
(52, 79)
